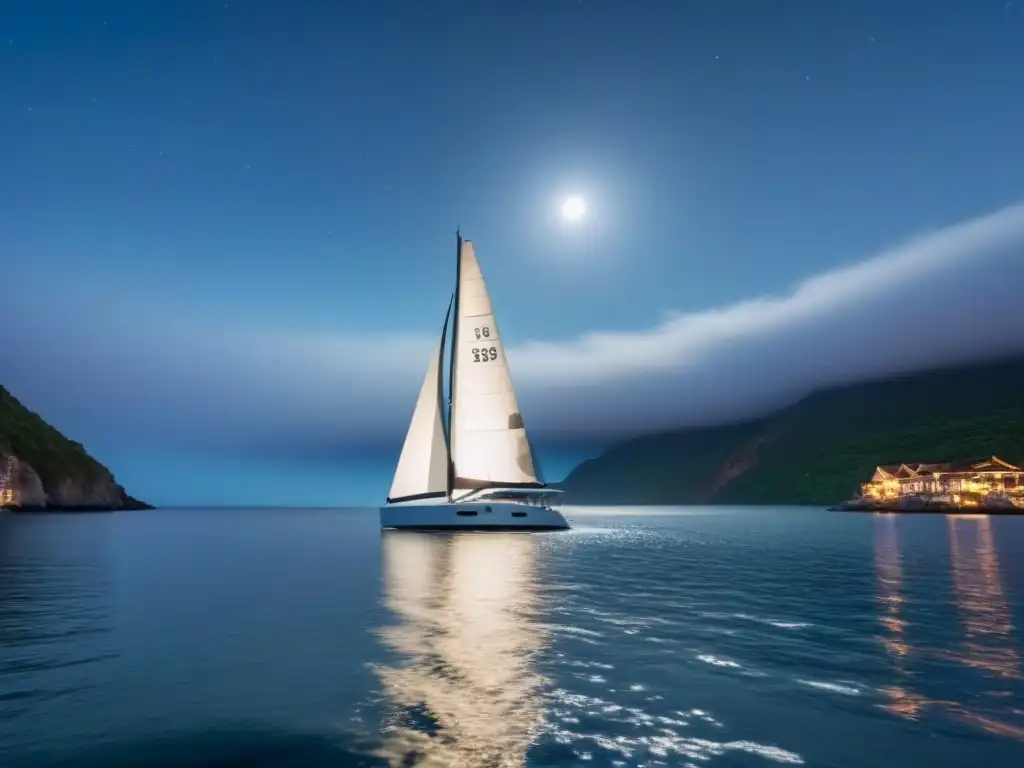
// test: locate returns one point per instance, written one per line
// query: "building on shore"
(982, 482)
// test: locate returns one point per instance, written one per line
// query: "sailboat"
(474, 470)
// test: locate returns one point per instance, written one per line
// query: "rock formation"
(40, 469)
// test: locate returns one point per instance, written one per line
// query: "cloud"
(134, 372)
(953, 295)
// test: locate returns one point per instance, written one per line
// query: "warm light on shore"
(968, 484)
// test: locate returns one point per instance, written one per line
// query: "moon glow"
(574, 208)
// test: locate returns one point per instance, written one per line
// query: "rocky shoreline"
(929, 508)
(42, 471)
(129, 504)
(24, 491)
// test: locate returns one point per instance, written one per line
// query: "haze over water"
(724, 636)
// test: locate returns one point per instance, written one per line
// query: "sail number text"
(482, 333)
(484, 354)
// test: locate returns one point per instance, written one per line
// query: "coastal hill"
(40, 469)
(820, 449)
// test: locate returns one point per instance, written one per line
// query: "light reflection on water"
(515, 650)
(466, 690)
(989, 643)
(987, 647)
(739, 637)
(467, 694)
(892, 607)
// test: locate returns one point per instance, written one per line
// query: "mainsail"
(422, 470)
(489, 446)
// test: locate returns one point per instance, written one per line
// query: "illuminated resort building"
(982, 482)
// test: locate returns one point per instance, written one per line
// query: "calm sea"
(703, 637)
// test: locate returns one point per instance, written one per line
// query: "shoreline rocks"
(41, 470)
(22, 490)
(920, 506)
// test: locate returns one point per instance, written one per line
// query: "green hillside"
(69, 477)
(31, 439)
(819, 450)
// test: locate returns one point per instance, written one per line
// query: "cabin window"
(466, 513)
(518, 514)
(488, 509)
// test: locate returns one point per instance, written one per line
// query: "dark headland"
(823, 448)
(42, 470)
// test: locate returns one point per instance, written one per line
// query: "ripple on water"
(734, 638)
(594, 727)
(714, 661)
(845, 688)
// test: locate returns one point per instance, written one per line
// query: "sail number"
(484, 354)
(482, 333)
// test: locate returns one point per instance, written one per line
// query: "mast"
(451, 365)
(446, 428)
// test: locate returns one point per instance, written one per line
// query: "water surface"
(719, 637)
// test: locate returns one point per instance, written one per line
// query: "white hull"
(472, 516)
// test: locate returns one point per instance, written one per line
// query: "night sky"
(227, 229)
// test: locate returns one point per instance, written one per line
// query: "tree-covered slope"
(46, 469)
(32, 440)
(820, 449)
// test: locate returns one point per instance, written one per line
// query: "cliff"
(820, 449)
(40, 469)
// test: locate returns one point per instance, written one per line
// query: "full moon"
(573, 208)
